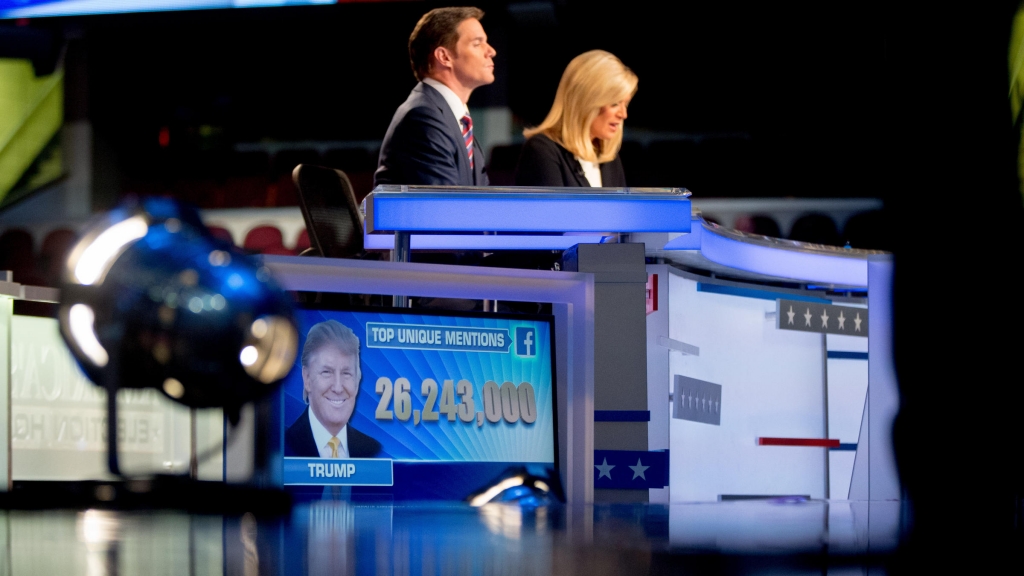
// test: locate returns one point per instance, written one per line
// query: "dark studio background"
(734, 99)
(907, 103)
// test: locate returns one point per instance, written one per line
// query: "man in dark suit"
(330, 385)
(430, 140)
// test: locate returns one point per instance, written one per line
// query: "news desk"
(515, 218)
(705, 274)
(711, 294)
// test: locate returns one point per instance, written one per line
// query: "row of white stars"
(605, 469)
(824, 319)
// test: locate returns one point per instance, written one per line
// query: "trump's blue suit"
(298, 441)
(423, 145)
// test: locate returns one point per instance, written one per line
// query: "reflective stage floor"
(331, 537)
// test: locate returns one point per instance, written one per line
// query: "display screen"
(40, 8)
(418, 405)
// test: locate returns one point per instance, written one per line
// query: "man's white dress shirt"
(458, 107)
(322, 438)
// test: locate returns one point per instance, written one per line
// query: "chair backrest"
(330, 210)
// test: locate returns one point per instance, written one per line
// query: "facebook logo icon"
(526, 344)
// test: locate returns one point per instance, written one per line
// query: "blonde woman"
(578, 143)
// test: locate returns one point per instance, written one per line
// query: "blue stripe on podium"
(838, 355)
(622, 415)
(755, 293)
(845, 447)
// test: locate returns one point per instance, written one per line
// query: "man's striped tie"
(467, 135)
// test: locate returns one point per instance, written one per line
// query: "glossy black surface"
(335, 537)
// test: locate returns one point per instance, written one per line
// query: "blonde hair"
(592, 80)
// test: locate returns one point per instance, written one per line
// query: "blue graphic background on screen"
(37, 8)
(443, 440)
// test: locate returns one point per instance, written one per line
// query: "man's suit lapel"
(453, 129)
(306, 440)
(478, 164)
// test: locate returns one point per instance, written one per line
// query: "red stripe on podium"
(819, 442)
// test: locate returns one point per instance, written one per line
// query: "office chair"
(330, 210)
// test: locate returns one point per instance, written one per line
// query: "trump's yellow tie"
(334, 443)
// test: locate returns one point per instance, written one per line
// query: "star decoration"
(791, 314)
(807, 317)
(856, 323)
(824, 318)
(842, 321)
(605, 469)
(638, 470)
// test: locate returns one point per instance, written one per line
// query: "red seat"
(282, 192)
(265, 240)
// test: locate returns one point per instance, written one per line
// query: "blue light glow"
(40, 8)
(784, 263)
(526, 212)
(481, 242)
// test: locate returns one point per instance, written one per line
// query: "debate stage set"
(225, 349)
(695, 390)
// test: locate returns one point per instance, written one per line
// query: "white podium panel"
(771, 387)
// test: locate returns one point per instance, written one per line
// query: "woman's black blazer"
(544, 163)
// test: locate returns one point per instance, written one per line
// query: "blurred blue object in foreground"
(150, 299)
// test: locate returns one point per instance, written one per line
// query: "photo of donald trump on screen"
(330, 385)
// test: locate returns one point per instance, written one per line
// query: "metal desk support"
(401, 254)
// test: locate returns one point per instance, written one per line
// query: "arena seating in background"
(358, 164)
(44, 266)
(53, 254)
(302, 242)
(265, 240)
(722, 165)
(758, 224)
(816, 229)
(281, 192)
(815, 220)
(256, 178)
